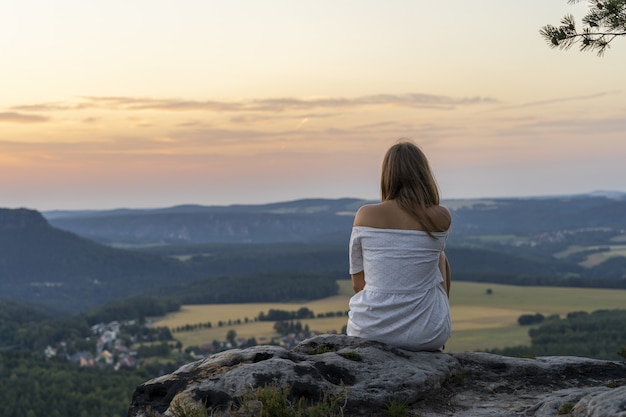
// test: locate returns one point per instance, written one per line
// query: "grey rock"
(605, 402)
(370, 375)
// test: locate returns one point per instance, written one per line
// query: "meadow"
(481, 319)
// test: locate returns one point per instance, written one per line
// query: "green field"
(480, 321)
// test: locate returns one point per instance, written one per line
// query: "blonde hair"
(407, 178)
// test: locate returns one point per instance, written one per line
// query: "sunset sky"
(153, 103)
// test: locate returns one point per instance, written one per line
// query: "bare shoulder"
(441, 216)
(388, 215)
(368, 215)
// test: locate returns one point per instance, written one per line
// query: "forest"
(600, 334)
(34, 386)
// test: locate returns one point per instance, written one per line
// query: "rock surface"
(371, 375)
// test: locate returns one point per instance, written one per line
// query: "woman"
(400, 273)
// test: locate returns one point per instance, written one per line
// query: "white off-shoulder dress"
(403, 303)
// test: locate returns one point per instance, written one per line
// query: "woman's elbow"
(358, 281)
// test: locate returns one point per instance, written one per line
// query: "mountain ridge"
(323, 219)
(293, 221)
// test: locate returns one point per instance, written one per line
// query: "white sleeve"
(356, 252)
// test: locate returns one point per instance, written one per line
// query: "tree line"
(34, 386)
(600, 334)
(260, 287)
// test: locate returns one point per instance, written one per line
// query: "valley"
(101, 299)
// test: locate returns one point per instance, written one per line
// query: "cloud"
(255, 117)
(278, 105)
(12, 117)
(587, 129)
(192, 123)
(378, 125)
(270, 105)
(54, 106)
(559, 100)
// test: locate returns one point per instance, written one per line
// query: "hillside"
(45, 265)
(539, 215)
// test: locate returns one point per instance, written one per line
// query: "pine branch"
(605, 21)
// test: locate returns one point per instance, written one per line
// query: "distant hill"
(543, 236)
(296, 221)
(45, 265)
(539, 215)
(327, 220)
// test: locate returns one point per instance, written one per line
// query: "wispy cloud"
(13, 117)
(52, 106)
(272, 105)
(559, 100)
(256, 117)
(567, 128)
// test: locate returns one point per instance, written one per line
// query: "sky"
(154, 103)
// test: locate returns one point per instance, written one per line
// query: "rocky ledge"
(372, 375)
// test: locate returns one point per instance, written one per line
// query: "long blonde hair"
(407, 178)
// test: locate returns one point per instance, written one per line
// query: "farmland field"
(605, 252)
(479, 320)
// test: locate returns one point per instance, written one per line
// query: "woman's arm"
(444, 267)
(358, 281)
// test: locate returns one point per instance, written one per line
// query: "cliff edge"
(372, 375)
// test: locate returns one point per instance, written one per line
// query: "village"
(130, 344)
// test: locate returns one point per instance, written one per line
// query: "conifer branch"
(605, 21)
